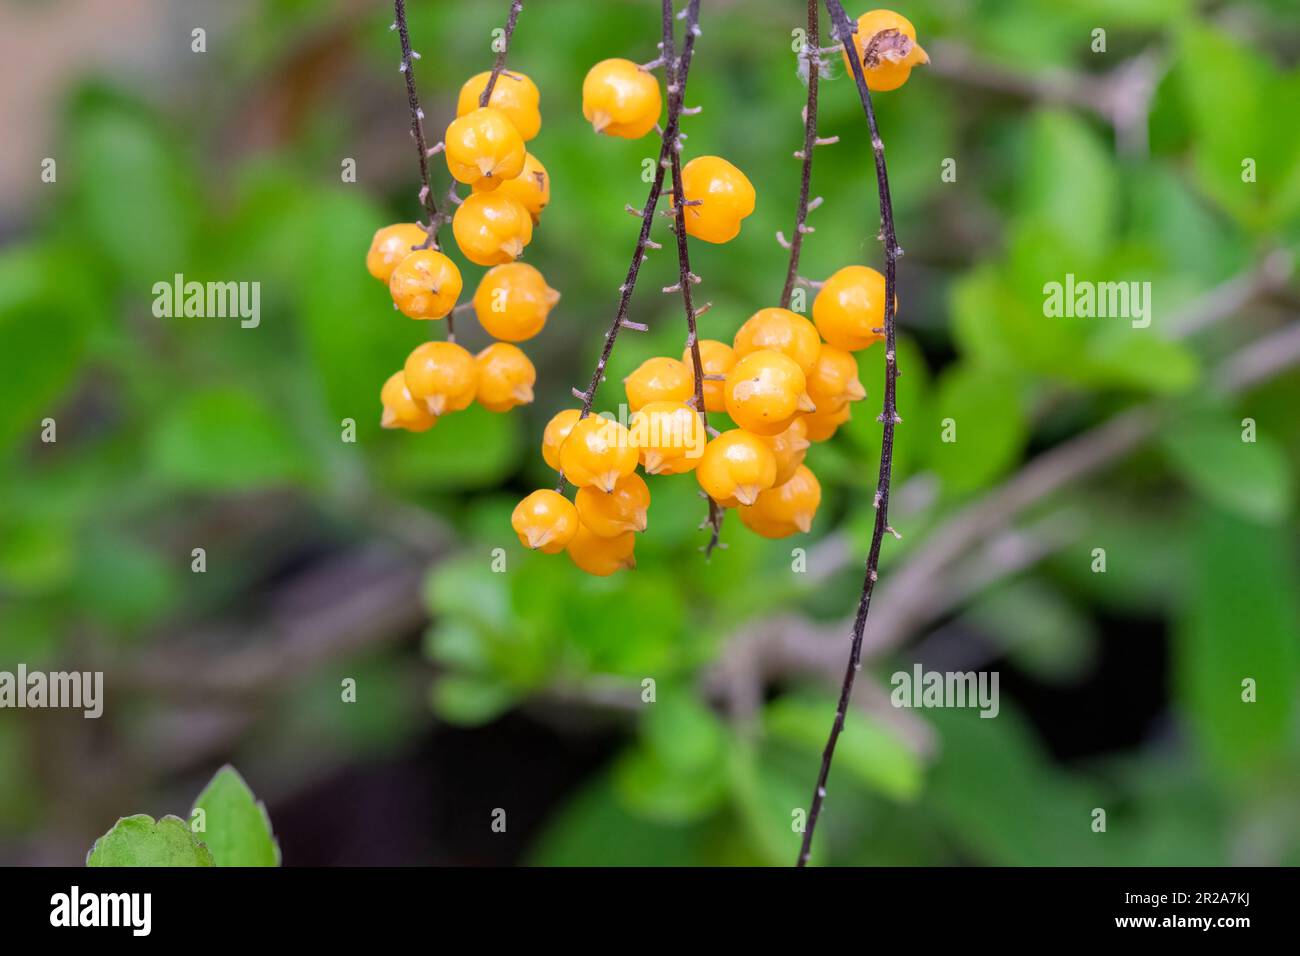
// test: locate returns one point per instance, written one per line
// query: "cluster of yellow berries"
(484, 148)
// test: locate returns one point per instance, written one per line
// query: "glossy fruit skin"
(425, 284)
(505, 377)
(789, 448)
(785, 509)
(621, 99)
(532, 187)
(716, 358)
(598, 452)
(764, 391)
(849, 305)
(602, 556)
(512, 302)
(669, 436)
(442, 375)
(545, 521)
(781, 331)
(726, 197)
(484, 149)
(822, 424)
(557, 430)
(400, 409)
(491, 229)
(659, 379)
(391, 245)
(892, 71)
(834, 379)
(514, 95)
(612, 513)
(735, 467)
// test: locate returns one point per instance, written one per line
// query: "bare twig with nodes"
(812, 57)
(409, 56)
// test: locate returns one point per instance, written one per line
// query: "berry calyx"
(735, 467)
(785, 509)
(718, 197)
(483, 148)
(834, 379)
(505, 377)
(545, 521)
(789, 448)
(400, 409)
(598, 452)
(781, 331)
(602, 556)
(512, 302)
(669, 436)
(514, 95)
(822, 424)
(764, 391)
(621, 99)
(716, 358)
(557, 430)
(659, 379)
(442, 375)
(532, 187)
(425, 284)
(850, 306)
(391, 245)
(887, 48)
(612, 513)
(491, 228)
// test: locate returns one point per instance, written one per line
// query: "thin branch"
(813, 58)
(511, 19)
(417, 125)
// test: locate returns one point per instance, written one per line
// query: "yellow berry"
(716, 358)
(611, 513)
(391, 245)
(785, 508)
(532, 187)
(602, 556)
(850, 306)
(888, 42)
(598, 451)
(789, 447)
(659, 379)
(512, 302)
(781, 331)
(822, 424)
(670, 437)
(735, 467)
(442, 375)
(425, 285)
(514, 95)
(621, 99)
(505, 377)
(725, 196)
(834, 379)
(557, 430)
(400, 409)
(545, 521)
(491, 228)
(483, 148)
(764, 391)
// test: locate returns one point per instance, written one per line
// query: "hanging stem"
(812, 56)
(417, 126)
(511, 19)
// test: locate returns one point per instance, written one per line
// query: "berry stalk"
(497, 67)
(417, 124)
(811, 54)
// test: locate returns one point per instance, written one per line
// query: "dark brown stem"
(511, 19)
(417, 125)
(811, 54)
(843, 29)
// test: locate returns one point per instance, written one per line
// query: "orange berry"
(442, 375)
(716, 358)
(602, 556)
(491, 228)
(483, 148)
(789, 447)
(822, 424)
(735, 467)
(545, 521)
(391, 245)
(670, 437)
(659, 379)
(611, 513)
(513, 95)
(512, 302)
(400, 409)
(725, 194)
(425, 285)
(621, 99)
(892, 55)
(598, 451)
(781, 331)
(505, 377)
(786, 508)
(764, 391)
(834, 379)
(532, 187)
(849, 306)
(557, 430)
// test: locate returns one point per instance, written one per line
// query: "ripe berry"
(491, 228)
(786, 508)
(735, 467)
(425, 285)
(390, 246)
(602, 556)
(442, 375)
(598, 452)
(545, 521)
(532, 187)
(789, 447)
(557, 430)
(834, 379)
(725, 194)
(484, 148)
(890, 57)
(505, 377)
(609, 514)
(782, 331)
(514, 94)
(670, 437)
(621, 99)
(659, 379)
(400, 409)
(512, 302)
(850, 304)
(823, 423)
(716, 358)
(764, 391)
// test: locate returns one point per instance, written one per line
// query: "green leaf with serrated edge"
(142, 841)
(236, 826)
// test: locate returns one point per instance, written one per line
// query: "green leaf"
(650, 787)
(238, 829)
(988, 426)
(465, 450)
(1252, 479)
(471, 701)
(681, 731)
(1038, 628)
(140, 841)
(1069, 184)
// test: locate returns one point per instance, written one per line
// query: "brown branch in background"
(511, 19)
(409, 57)
(843, 30)
(811, 56)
